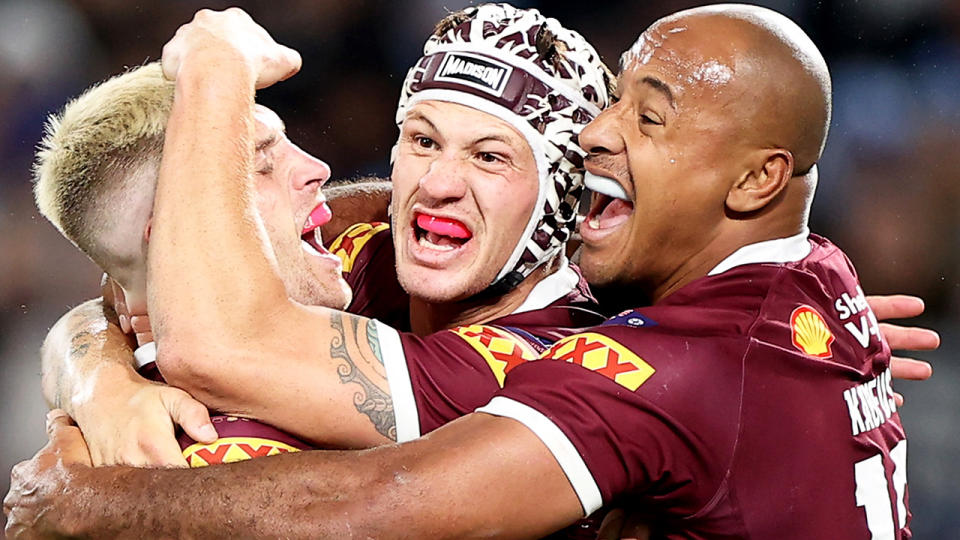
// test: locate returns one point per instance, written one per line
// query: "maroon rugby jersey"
(440, 377)
(752, 403)
(239, 438)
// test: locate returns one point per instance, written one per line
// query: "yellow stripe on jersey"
(231, 449)
(347, 246)
(502, 350)
(604, 355)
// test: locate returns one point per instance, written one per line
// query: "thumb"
(191, 415)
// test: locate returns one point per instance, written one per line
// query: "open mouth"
(610, 205)
(440, 233)
(311, 239)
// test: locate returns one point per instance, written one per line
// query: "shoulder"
(351, 242)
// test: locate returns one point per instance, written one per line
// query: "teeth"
(594, 222)
(308, 248)
(606, 186)
(430, 245)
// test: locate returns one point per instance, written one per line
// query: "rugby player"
(96, 176)
(574, 432)
(530, 148)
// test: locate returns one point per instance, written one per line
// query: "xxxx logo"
(604, 355)
(230, 449)
(347, 246)
(502, 350)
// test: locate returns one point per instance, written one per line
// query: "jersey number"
(873, 493)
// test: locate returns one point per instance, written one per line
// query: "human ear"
(758, 186)
(147, 228)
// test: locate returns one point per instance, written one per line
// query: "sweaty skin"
(425, 488)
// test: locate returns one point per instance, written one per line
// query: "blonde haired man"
(96, 175)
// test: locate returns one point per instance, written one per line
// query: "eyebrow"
(266, 143)
(661, 87)
(419, 116)
(496, 138)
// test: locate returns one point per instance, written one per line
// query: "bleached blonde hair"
(91, 148)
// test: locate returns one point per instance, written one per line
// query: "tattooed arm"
(226, 329)
(327, 385)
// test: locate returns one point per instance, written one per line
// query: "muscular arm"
(449, 484)
(84, 351)
(226, 330)
(88, 372)
(356, 201)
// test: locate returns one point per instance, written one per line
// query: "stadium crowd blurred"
(889, 192)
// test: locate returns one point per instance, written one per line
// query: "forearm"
(83, 352)
(205, 223)
(327, 385)
(356, 201)
(448, 485)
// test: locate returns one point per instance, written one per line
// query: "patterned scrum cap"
(490, 62)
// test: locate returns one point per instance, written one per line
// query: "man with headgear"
(450, 246)
(752, 399)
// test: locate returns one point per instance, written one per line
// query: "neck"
(785, 217)
(429, 317)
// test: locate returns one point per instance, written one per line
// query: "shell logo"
(810, 332)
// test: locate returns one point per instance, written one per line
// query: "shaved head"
(723, 114)
(775, 80)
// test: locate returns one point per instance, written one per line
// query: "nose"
(445, 179)
(603, 135)
(309, 172)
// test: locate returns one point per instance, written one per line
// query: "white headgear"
(491, 62)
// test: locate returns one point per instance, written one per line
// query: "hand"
(618, 525)
(905, 337)
(230, 30)
(138, 325)
(37, 485)
(134, 425)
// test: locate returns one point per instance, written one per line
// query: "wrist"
(109, 387)
(214, 68)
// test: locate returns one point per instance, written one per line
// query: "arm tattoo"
(79, 346)
(370, 399)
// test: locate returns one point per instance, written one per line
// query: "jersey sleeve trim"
(559, 445)
(401, 387)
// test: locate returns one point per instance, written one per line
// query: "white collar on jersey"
(145, 354)
(551, 288)
(777, 251)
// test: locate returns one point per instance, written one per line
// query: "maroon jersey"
(446, 375)
(369, 267)
(752, 403)
(239, 438)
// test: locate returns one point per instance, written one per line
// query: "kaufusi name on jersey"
(871, 403)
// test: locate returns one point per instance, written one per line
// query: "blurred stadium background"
(889, 180)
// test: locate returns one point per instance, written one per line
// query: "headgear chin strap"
(490, 62)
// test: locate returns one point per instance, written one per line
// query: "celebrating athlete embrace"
(751, 400)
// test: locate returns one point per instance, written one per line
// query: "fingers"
(57, 421)
(897, 306)
(141, 327)
(191, 415)
(898, 399)
(910, 369)
(910, 338)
